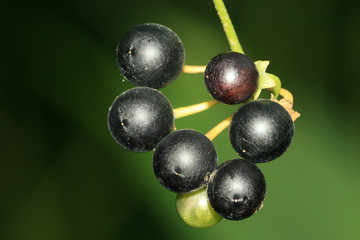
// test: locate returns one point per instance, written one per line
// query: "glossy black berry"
(231, 77)
(183, 160)
(139, 118)
(261, 130)
(236, 189)
(150, 55)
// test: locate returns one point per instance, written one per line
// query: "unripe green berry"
(195, 210)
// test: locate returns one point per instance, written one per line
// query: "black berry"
(151, 55)
(236, 190)
(231, 77)
(261, 130)
(139, 118)
(183, 160)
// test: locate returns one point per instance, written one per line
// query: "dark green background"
(63, 177)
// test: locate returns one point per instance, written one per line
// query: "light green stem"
(228, 27)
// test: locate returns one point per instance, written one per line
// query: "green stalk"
(228, 27)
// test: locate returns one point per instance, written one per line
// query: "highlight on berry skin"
(236, 189)
(139, 118)
(261, 130)
(150, 55)
(231, 78)
(183, 160)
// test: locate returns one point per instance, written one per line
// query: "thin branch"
(228, 27)
(193, 69)
(219, 128)
(192, 109)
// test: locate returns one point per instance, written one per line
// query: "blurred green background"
(62, 176)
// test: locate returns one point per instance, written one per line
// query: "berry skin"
(195, 210)
(231, 77)
(261, 130)
(183, 160)
(150, 55)
(139, 118)
(236, 189)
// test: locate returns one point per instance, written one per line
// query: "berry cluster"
(185, 161)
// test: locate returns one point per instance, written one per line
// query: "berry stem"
(192, 109)
(228, 26)
(287, 102)
(219, 128)
(193, 69)
(286, 94)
